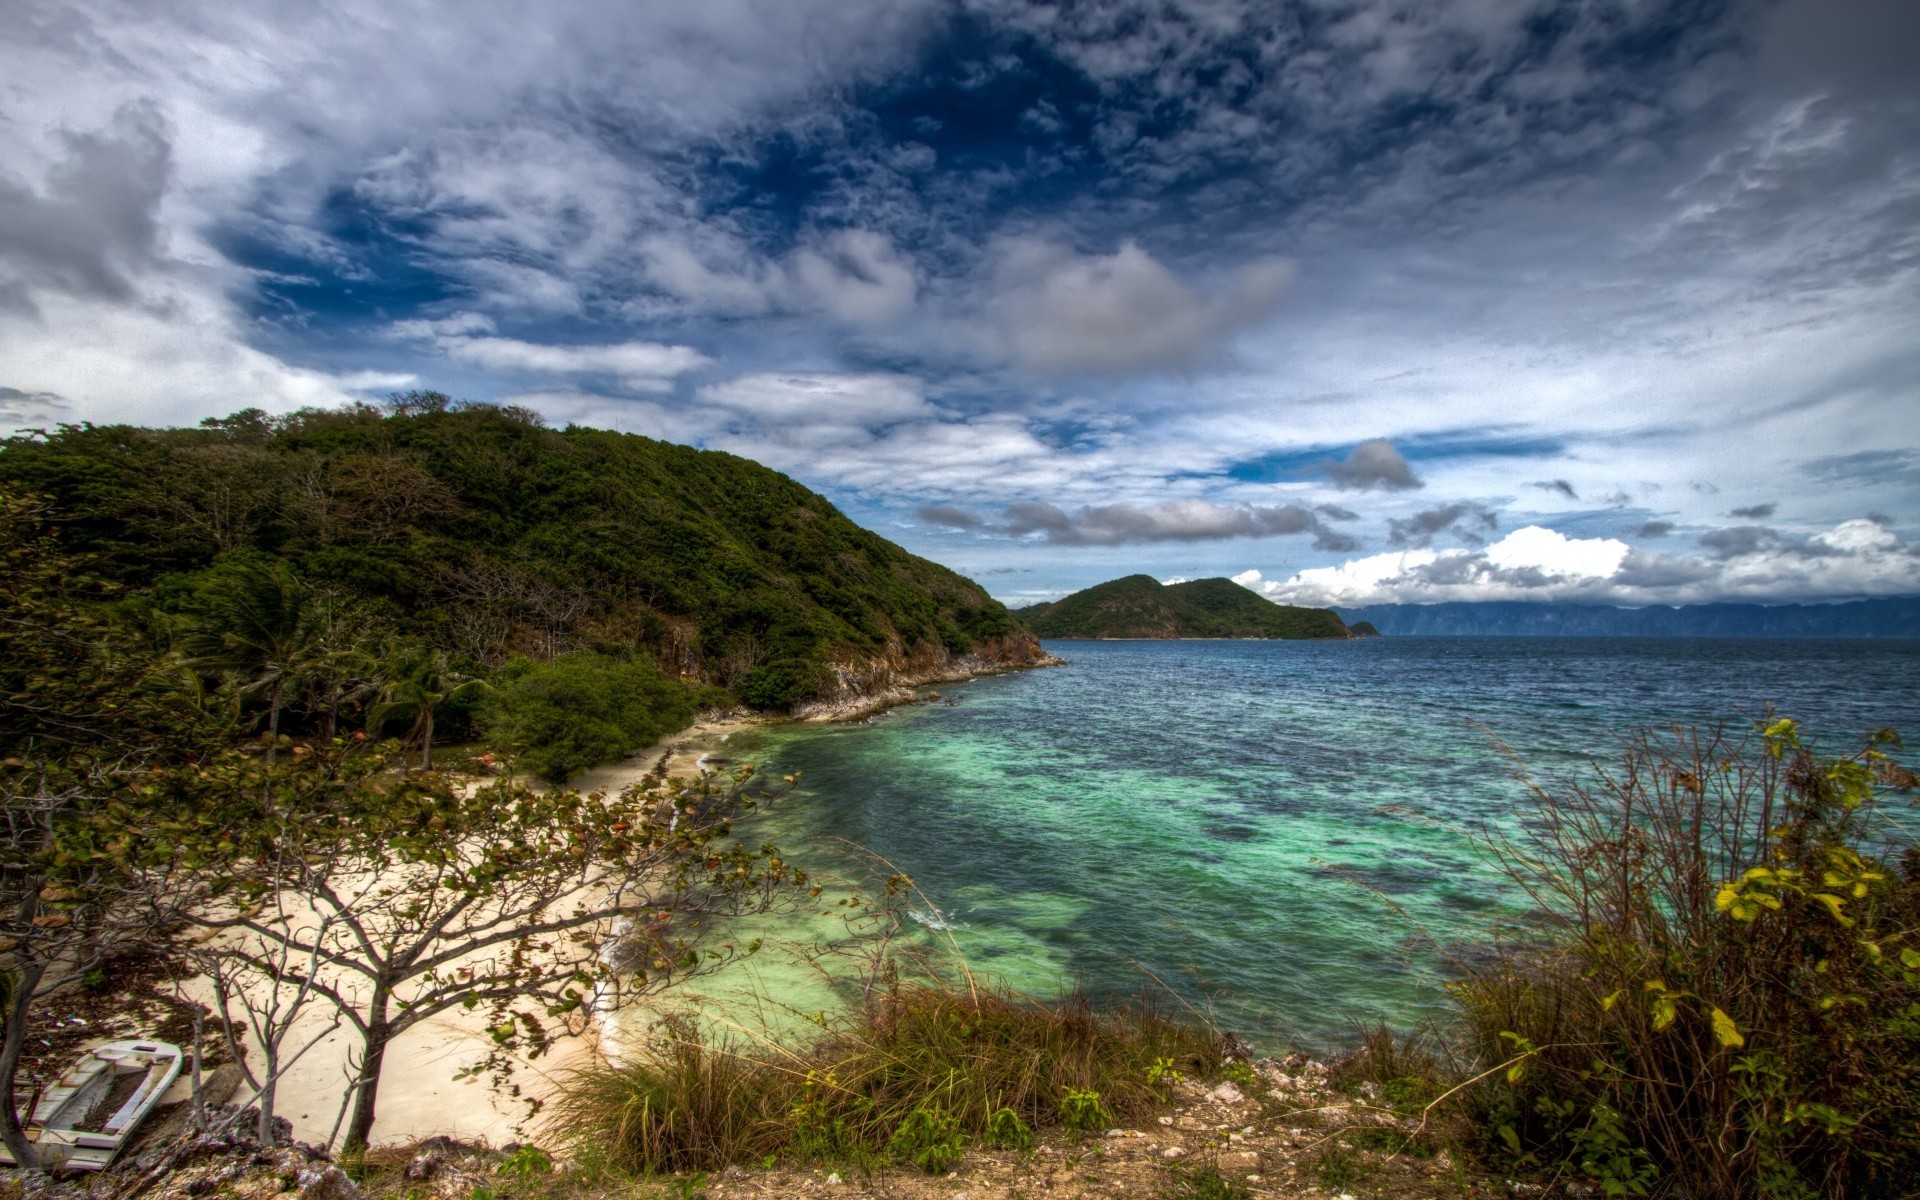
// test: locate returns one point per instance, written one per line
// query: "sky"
(1354, 301)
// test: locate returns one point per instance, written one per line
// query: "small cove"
(1220, 816)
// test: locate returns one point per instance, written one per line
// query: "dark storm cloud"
(1556, 485)
(1654, 529)
(1173, 521)
(92, 227)
(1373, 464)
(19, 406)
(1333, 512)
(947, 516)
(1739, 539)
(1467, 519)
(1755, 512)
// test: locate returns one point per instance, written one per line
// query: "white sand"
(419, 1096)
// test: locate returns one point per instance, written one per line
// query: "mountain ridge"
(1140, 606)
(477, 528)
(1893, 617)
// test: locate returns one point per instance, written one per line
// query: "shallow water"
(1210, 813)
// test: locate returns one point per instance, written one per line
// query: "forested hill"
(475, 529)
(1896, 617)
(1140, 606)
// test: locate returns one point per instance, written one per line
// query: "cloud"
(822, 399)
(19, 406)
(1755, 512)
(1465, 517)
(1866, 467)
(1556, 485)
(948, 517)
(1653, 529)
(92, 228)
(1172, 521)
(1054, 310)
(1854, 558)
(1373, 463)
(860, 277)
(856, 276)
(466, 337)
(1739, 540)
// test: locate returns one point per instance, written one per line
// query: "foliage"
(1719, 992)
(1139, 606)
(919, 1073)
(419, 681)
(427, 896)
(87, 714)
(474, 530)
(582, 709)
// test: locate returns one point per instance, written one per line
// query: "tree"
(420, 681)
(580, 710)
(85, 714)
(425, 897)
(259, 625)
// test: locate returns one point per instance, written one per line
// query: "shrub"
(1719, 989)
(580, 710)
(922, 1072)
(784, 683)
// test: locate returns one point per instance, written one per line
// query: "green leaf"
(1725, 1031)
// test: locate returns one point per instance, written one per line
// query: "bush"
(581, 710)
(1719, 993)
(780, 685)
(923, 1073)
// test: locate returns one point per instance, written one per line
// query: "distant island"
(1140, 606)
(1897, 617)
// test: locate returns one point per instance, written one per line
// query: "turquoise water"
(1209, 813)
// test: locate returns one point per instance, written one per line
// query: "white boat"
(82, 1120)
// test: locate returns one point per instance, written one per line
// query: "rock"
(1240, 1160)
(833, 1180)
(1174, 1152)
(1226, 1093)
(1166, 1120)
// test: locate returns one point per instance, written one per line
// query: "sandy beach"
(419, 1094)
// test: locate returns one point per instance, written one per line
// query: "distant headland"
(1140, 606)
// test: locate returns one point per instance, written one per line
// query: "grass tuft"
(922, 1074)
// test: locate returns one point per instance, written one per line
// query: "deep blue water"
(1211, 812)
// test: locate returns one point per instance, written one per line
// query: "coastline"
(419, 1094)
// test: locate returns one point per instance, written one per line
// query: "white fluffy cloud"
(822, 399)
(639, 366)
(1855, 558)
(1055, 310)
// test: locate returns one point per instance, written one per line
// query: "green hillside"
(1139, 606)
(475, 530)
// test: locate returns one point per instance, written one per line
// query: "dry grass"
(918, 1076)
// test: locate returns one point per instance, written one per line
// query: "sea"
(1282, 835)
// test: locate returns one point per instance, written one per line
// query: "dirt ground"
(1288, 1135)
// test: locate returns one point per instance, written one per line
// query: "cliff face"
(1139, 606)
(870, 684)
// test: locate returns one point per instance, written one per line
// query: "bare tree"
(426, 897)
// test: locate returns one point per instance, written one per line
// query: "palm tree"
(419, 681)
(260, 627)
